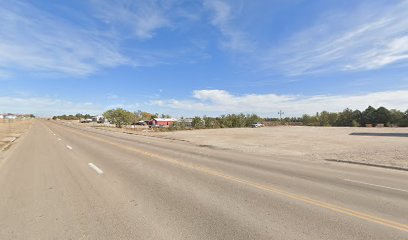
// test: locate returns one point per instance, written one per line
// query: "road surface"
(62, 182)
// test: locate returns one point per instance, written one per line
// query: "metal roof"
(165, 119)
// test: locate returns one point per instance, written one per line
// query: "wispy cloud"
(143, 18)
(44, 106)
(222, 19)
(370, 37)
(35, 40)
(221, 101)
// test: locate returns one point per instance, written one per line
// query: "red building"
(162, 122)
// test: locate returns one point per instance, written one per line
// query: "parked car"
(257, 125)
(88, 120)
(141, 123)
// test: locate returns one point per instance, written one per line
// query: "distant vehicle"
(88, 120)
(257, 125)
(142, 123)
(98, 119)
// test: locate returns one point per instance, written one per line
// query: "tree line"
(77, 116)
(223, 121)
(347, 118)
(354, 118)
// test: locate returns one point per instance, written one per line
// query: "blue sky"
(209, 57)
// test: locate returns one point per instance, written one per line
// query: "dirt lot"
(9, 131)
(387, 146)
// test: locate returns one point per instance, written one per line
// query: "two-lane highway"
(65, 182)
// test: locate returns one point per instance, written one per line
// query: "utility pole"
(280, 114)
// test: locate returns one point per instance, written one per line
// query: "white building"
(98, 119)
(10, 116)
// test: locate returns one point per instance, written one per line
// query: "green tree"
(383, 115)
(210, 122)
(345, 118)
(369, 116)
(327, 119)
(120, 117)
(251, 119)
(197, 123)
(310, 120)
(396, 116)
(357, 118)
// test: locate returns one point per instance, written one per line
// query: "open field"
(9, 131)
(387, 146)
(384, 146)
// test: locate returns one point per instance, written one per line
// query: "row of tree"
(224, 121)
(356, 118)
(77, 116)
(348, 117)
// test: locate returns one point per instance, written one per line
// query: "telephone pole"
(280, 114)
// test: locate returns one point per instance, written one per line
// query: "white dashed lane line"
(69, 147)
(95, 168)
(376, 185)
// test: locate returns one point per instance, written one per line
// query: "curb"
(368, 164)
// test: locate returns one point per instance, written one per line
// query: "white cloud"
(219, 101)
(234, 39)
(32, 39)
(43, 106)
(366, 38)
(143, 18)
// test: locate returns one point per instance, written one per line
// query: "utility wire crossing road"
(64, 182)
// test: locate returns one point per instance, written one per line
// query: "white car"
(257, 125)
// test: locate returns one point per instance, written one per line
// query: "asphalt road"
(62, 182)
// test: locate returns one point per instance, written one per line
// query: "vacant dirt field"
(387, 146)
(9, 131)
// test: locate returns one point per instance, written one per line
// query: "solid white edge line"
(97, 170)
(69, 147)
(375, 185)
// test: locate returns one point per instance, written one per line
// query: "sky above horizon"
(204, 57)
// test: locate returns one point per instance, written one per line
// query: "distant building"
(187, 122)
(10, 116)
(165, 122)
(16, 116)
(98, 119)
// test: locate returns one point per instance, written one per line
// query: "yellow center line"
(268, 188)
